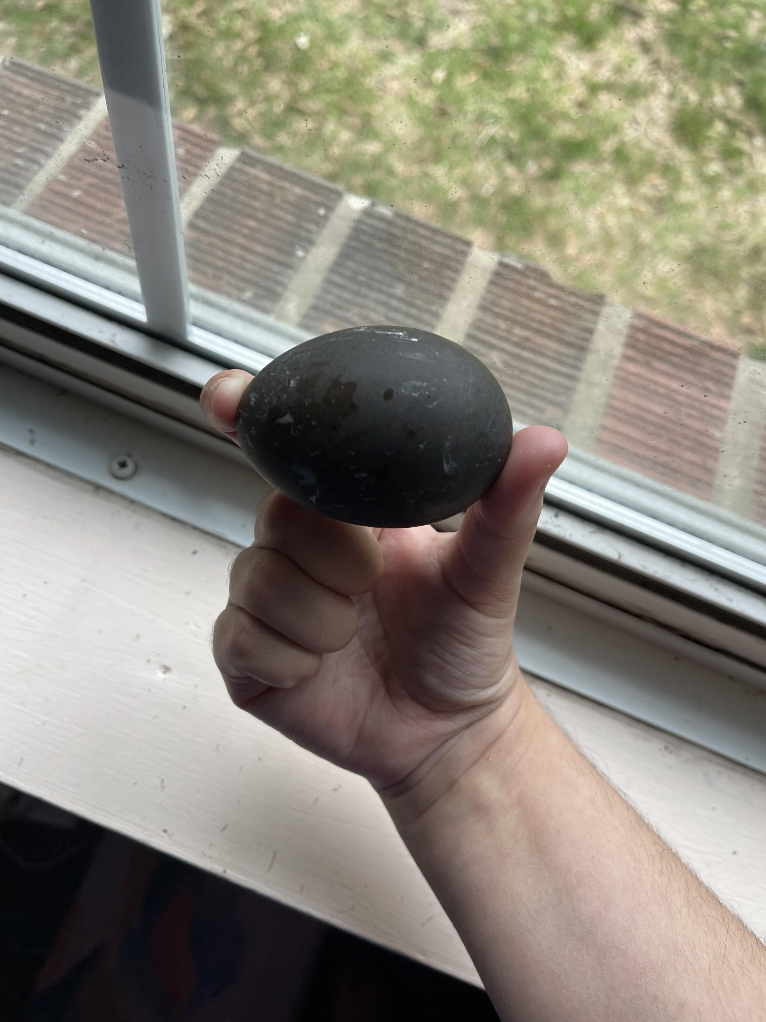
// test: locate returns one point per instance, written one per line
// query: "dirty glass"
(573, 191)
(60, 194)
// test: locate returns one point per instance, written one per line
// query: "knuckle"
(233, 640)
(257, 575)
(268, 569)
(241, 691)
(248, 657)
(239, 567)
(241, 642)
(218, 635)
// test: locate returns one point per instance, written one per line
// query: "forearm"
(570, 905)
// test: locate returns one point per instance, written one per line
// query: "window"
(368, 162)
(60, 194)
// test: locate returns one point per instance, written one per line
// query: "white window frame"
(132, 58)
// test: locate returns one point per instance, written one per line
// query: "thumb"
(484, 561)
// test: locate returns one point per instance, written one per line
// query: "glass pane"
(573, 191)
(615, 149)
(60, 193)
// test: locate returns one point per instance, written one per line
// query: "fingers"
(484, 562)
(290, 606)
(247, 652)
(290, 593)
(220, 399)
(274, 590)
(342, 557)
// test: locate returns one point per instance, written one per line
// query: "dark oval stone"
(377, 425)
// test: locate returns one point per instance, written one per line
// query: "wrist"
(496, 745)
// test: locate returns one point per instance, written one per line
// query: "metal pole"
(132, 58)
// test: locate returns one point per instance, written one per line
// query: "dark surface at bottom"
(355, 981)
(44, 855)
(97, 928)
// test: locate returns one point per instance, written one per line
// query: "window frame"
(585, 486)
(579, 570)
(131, 54)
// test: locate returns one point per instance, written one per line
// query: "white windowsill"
(112, 708)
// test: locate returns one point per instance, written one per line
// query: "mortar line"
(206, 181)
(56, 163)
(594, 385)
(743, 436)
(458, 314)
(310, 276)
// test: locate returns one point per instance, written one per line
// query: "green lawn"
(620, 145)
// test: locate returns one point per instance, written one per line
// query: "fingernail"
(226, 387)
(542, 486)
(210, 387)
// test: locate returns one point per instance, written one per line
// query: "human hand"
(386, 651)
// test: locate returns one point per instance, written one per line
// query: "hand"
(386, 651)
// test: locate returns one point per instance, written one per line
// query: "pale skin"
(390, 653)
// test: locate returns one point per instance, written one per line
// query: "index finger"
(220, 399)
(343, 557)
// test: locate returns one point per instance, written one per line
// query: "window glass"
(60, 193)
(574, 191)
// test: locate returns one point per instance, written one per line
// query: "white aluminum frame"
(682, 527)
(88, 276)
(132, 58)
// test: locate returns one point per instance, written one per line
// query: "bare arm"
(390, 652)
(571, 907)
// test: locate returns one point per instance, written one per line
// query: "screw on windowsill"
(124, 466)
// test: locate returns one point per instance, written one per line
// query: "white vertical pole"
(132, 58)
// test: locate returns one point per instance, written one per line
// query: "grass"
(622, 145)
